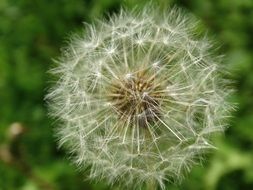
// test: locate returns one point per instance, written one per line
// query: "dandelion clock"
(138, 97)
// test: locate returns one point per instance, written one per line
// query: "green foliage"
(31, 34)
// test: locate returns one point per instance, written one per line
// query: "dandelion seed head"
(139, 97)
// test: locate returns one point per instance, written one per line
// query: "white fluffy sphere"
(138, 97)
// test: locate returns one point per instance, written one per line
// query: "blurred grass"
(32, 33)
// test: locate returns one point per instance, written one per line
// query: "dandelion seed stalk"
(138, 97)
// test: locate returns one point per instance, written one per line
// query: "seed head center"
(137, 98)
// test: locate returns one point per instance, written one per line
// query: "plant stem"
(151, 185)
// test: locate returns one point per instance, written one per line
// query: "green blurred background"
(31, 35)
